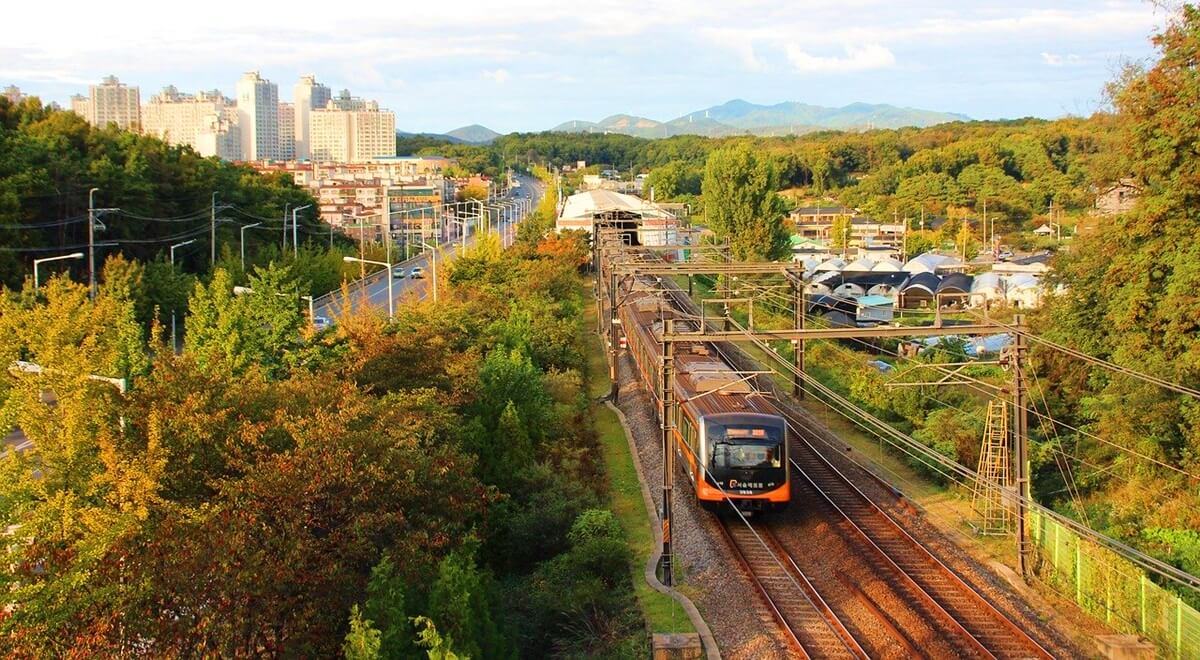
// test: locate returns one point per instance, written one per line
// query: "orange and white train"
(732, 445)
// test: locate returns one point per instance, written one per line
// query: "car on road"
(398, 272)
(417, 273)
(321, 322)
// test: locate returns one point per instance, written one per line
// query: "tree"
(226, 331)
(839, 231)
(363, 640)
(1130, 298)
(459, 600)
(740, 203)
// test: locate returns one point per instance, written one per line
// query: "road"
(373, 289)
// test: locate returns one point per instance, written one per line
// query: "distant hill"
(474, 134)
(435, 137)
(625, 124)
(739, 117)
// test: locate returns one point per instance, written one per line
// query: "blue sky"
(530, 65)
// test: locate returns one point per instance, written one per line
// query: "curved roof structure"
(931, 263)
(955, 283)
(986, 282)
(927, 282)
(859, 265)
(887, 265)
(833, 264)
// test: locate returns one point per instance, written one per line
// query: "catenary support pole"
(1021, 442)
(668, 448)
(613, 373)
(799, 304)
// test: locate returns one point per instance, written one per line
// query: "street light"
(174, 342)
(73, 255)
(244, 228)
(435, 277)
(391, 300)
(295, 245)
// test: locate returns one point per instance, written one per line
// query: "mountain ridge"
(738, 117)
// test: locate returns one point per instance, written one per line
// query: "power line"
(1155, 380)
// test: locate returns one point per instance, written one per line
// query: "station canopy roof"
(593, 203)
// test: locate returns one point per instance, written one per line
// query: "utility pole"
(668, 448)
(1020, 428)
(798, 345)
(213, 232)
(92, 243)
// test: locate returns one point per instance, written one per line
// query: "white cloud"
(1054, 59)
(858, 58)
(499, 76)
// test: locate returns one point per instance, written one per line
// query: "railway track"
(807, 626)
(985, 631)
(977, 627)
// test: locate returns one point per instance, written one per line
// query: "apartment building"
(258, 117)
(287, 131)
(353, 135)
(110, 102)
(220, 135)
(180, 118)
(307, 95)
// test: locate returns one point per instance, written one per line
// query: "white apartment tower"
(112, 102)
(287, 131)
(181, 118)
(352, 136)
(220, 137)
(308, 95)
(258, 117)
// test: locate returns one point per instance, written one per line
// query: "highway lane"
(373, 290)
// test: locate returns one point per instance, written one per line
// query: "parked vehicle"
(321, 322)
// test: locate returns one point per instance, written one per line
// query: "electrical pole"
(1020, 424)
(798, 345)
(668, 402)
(213, 232)
(92, 243)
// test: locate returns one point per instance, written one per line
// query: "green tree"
(740, 203)
(839, 231)
(226, 331)
(363, 640)
(460, 600)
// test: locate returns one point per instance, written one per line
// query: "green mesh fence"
(1114, 590)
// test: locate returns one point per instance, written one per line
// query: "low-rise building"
(1117, 197)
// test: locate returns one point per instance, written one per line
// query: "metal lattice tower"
(988, 500)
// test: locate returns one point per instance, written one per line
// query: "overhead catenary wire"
(1053, 421)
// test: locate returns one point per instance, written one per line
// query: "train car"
(727, 438)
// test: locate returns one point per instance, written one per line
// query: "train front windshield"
(745, 446)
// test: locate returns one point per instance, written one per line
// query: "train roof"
(705, 382)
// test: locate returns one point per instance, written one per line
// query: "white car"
(321, 322)
(398, 272)
(417, 273)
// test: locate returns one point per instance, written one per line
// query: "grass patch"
(661, 612)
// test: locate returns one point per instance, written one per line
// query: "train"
(727, 438)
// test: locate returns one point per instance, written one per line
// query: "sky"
(531, 65)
